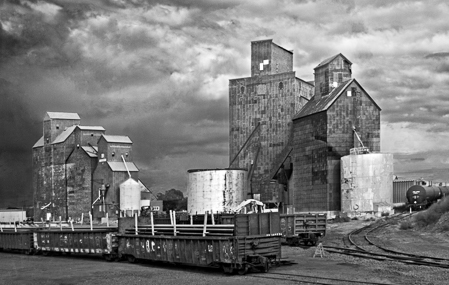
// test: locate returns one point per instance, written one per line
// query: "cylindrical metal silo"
(217, 190)
(366, 179)
(130, 195)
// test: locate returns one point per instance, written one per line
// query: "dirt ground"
(429, 242)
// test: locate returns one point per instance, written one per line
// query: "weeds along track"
(310, 279)
(359, 244)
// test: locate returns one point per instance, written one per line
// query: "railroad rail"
(311, 279)
(365, 247)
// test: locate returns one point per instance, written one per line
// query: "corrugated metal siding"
(198, 251)
(16, 240)
(400, 190)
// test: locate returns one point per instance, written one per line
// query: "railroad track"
(310, 279)
(364, 247)
(359, 237)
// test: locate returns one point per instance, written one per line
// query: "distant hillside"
(433, 174)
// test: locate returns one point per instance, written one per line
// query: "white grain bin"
(366, 179)
(217, 190)
(130, 195)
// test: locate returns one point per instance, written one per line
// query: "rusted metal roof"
(90, 151)
(91, 128)
(328, 60)
(120, 166)
(39, 143)
(117, 139)
(316, 106)
(64, 135)
(61, 115)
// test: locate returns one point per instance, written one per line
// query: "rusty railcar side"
(253, 224)
(78, 241)
(229, 253)
(303, 228)
(21, 240)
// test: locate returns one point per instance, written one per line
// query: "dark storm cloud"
(438, 55)
(158, 71)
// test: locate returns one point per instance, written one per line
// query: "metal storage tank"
(130, 195)
(366, 179)
(217, 190)
(12, 215)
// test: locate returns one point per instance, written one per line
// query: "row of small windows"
(113, 154)
(280, 86)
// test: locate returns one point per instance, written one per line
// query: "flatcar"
(421, 197)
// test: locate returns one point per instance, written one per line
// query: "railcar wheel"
(131, 259)
(266, 266)
(243, 270)
(227, 268)
(46, 253)
(109, 257)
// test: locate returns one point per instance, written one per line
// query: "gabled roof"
(315, 106)
(39, 143)
(117, 139)
(143, 187)
(91, 128)
(64, 135)
(61, 115)
(91, 151)
(120, 166)
(328, 60)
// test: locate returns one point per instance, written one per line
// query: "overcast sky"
(158, 72)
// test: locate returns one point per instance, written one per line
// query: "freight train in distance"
(420, 197)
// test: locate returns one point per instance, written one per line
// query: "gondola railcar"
(239, 243)
(233, 242)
